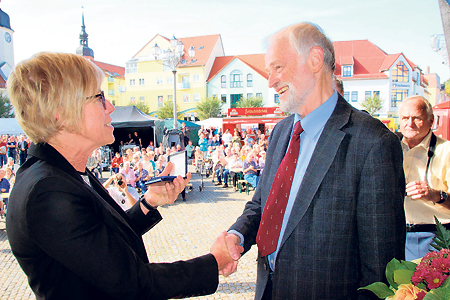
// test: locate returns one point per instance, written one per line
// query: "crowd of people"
(13, 153)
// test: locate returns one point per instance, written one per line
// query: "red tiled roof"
(369, 61)
(111, 69)
(2, 82)
(254, 61)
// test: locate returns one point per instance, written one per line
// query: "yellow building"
(148, 80)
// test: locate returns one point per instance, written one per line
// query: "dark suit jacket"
(347, 221)
(74, 242)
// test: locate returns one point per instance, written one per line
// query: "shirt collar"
(313, 122)
(425, 143)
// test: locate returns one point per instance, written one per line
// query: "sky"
(118, 29)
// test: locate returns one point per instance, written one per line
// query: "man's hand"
(162, 193)
(421, 190)
(226, 260)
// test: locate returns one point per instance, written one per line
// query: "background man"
(334, 217)
(427, 178)
(125, 196)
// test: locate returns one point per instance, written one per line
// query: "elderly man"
(427, 176)
(327, 215)
(141, 176)
(124, 195)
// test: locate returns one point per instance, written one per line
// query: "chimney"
(428, 70)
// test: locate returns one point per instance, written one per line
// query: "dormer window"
(347, 71)
(400, 73)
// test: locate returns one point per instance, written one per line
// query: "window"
(236, 79)
(224, 98)
(223, 80)
(196, 97)
(346, 71)
(122, 89)
(133, 100)
(249, 95)
(169, 79)
(169, 98)
(368, 94)
(132, 82)
(258, 95)
(186, 98)
(159, 80)
(354, 96)
(249, 80)
(196, 78)
(398, 96)
(276, 99)
(131, 68)
(400, 73)
(376, 94)
(214, 96)
(347, 96)
(141, 81)
(160, 101)
(234, 99)
(142, 99)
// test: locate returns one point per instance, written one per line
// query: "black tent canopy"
(129, 119)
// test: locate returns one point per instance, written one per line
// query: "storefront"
(262, 118)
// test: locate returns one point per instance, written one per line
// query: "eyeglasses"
(102, 98)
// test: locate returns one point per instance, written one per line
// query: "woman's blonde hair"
(49, 92)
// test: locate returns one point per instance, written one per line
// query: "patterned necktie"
(272, 216)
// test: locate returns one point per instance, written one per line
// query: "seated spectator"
(126, 196)
(116, 162)
(4, 188)
(235, 167)
(262, 162)
(159, 166)
(128, 173)
(214, 142)
(249, 170)
(190, 150)
(93, 163)
(141, 176)
(10, 176)
(220, 165)
(10, 163)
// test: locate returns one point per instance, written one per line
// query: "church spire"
(84, 49)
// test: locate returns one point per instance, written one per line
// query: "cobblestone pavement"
(187, 230)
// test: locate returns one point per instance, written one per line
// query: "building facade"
(151, 82)
(367, 71)
(233, 78)
(6, 49)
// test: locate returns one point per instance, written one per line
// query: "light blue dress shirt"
(312, 125)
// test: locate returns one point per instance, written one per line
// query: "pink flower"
(434, 279)
(418, 276)
(441, 264)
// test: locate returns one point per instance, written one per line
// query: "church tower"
(84, 49)
(6, 48)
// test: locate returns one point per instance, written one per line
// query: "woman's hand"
(162, 193)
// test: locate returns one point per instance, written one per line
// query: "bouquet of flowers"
(427, 280)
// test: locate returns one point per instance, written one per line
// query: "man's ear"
(316, 59)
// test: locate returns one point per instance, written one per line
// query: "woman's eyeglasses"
(102, 98)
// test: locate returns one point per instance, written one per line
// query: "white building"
(242, 76)
(366, 70)
(6, 49)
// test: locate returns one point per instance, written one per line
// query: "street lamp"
(171, 58)
(437, 42)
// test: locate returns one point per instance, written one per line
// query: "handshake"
(227, 252)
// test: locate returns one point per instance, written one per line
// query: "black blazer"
(74, 242)
(347, 221)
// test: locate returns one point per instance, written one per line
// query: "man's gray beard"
(292, 103)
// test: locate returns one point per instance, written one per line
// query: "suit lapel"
(321, 160)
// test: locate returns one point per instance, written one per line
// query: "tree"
(250, 102)
(447, 87)
(209, 108)
(142, 106)
(166, 111)
(6, 109)
(372, 104)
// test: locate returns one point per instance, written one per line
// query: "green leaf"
(403, 276)
(391, 267)
(380, 289)
(409, 265)
(442, 238)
